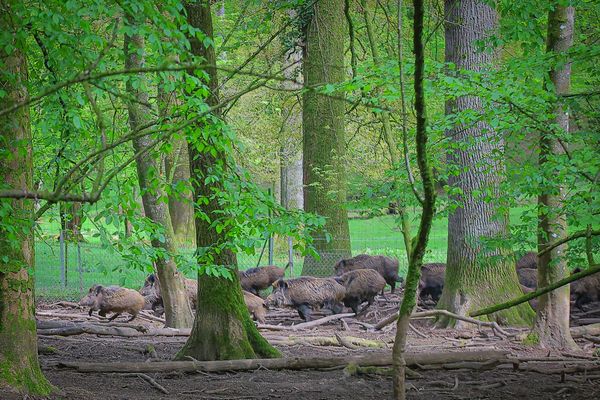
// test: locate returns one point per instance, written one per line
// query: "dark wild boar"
(153, 298)
(361, 285)
(528, 277)
(386, 266)
(585, 290)
(431, 282)
(307, 293)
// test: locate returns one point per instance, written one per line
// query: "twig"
(151, 381)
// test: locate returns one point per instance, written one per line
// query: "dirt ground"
(501, 382)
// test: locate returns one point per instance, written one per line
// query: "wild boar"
(431, 282)
(528, 277)
(256, 306)
(306, 293)
(585, 290)
(529, 260)
(113, 299)
(361, 285)
(386, 266)
(153, 298)
(254, 280)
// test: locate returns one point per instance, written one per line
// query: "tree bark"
(552, 320)
(19, 366)
(177, 171)
(409, 301)
(323, 135)
(476, 277)
(222, 328)
(178, 312)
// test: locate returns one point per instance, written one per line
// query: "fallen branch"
(592, 339)
(379, 359)
(305, 325)
(536, 293)
(579, 331)
(325, 341)
(65, 315)
(432, 313)
(151, 317)
(345, 342)
(151, 381)
(68, 304)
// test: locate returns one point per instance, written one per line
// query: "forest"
(323, 199)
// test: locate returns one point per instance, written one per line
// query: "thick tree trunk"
(222, 328)
(476, 277)
(178, 312)
(552, 321)
(323, 135)
(19, 366)
(177, 171)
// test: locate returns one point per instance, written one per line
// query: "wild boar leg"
(114, 316)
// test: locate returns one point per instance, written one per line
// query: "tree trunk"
(19, 366)
(222, 328)
(476, 277)
(323, 135)
(552, 321)
(177, 171)
(178, 313)
(417, 251)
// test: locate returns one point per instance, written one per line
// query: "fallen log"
(579, 331)
(592, 339)
(296, 363)
(116, 329)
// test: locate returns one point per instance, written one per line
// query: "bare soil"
(501, 382)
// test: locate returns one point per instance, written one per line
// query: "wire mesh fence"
(66, 269)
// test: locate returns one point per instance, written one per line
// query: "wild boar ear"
(98, 289)
(338, 279)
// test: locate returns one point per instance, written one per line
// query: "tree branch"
(576, 235)
(515, 302)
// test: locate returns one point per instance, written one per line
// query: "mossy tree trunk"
(323, 135)
(552, 320)
(178, 312)
(419, 245)
(223, 328)
(476, 277)
(19, 366)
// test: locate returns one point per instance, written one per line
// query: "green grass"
(378, 235)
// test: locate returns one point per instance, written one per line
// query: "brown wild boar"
(256, 306)
(153, 298)
(386, 266)
(113, 299)
(307, 293)
(529, 260)
(361, 285)
(256, 279)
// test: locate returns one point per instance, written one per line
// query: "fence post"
(270, 191)
(291, 256)
(80, 267)
(63, 277)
